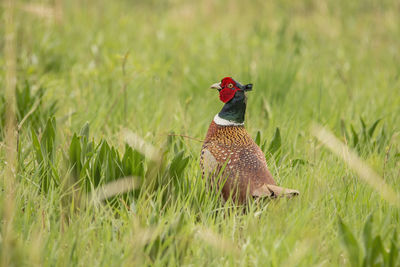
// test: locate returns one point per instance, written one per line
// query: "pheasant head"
(233, 94)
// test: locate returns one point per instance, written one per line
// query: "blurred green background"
(147, 65)
(310, 59)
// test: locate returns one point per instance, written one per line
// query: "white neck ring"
(220, 121)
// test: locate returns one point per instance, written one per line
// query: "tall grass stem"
(9, 180)
(365, 172)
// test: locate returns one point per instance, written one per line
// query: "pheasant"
(229, 156)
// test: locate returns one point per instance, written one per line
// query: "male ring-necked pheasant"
(230, 154)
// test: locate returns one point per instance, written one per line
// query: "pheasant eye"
(230, 85)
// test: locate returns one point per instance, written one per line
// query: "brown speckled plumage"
(245, 165)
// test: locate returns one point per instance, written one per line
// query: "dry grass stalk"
(116, 187)
(10, 134)
(121, 91)
(217, 241)
(58, 10)
(46, 12)
(299, 252)
(188, 137)
(365, 172)
(136, 142)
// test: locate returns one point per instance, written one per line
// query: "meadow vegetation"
(112, 103)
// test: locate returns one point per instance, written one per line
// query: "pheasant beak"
(216, 86)
(248, 87)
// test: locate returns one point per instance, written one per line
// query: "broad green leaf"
(276, 142)
(394, 251)
(178, 164)
(47, 141)
(350, 242)
(257, 140)
(372, 128)
(355, 135)
(363, 125)
(85, 131)
(127, 161)
(100, 162)
(296, 162)
(132, 162)
(262, 147)
(376, 251)
(37, 147)
(367, 234)
(75, 156)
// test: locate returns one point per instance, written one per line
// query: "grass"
(144, 68)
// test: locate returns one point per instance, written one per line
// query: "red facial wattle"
(228, 90)
(227, 94)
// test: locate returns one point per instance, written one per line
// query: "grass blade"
(276, 142)
(362, 169)
(373, 127)
(350, 242)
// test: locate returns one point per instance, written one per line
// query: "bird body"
(230, 155)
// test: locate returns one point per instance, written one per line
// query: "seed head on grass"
(363, 170)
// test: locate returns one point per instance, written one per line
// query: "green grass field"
(102, 76)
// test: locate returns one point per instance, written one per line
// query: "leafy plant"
(30, 108)
(276, 144)
(275, 148)
(44, 149)
(32, 101)
(177, 166)
(2, 115)
(363, 139)
(374, 252)
(171, 172)
(257, 140)
(95, 164)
